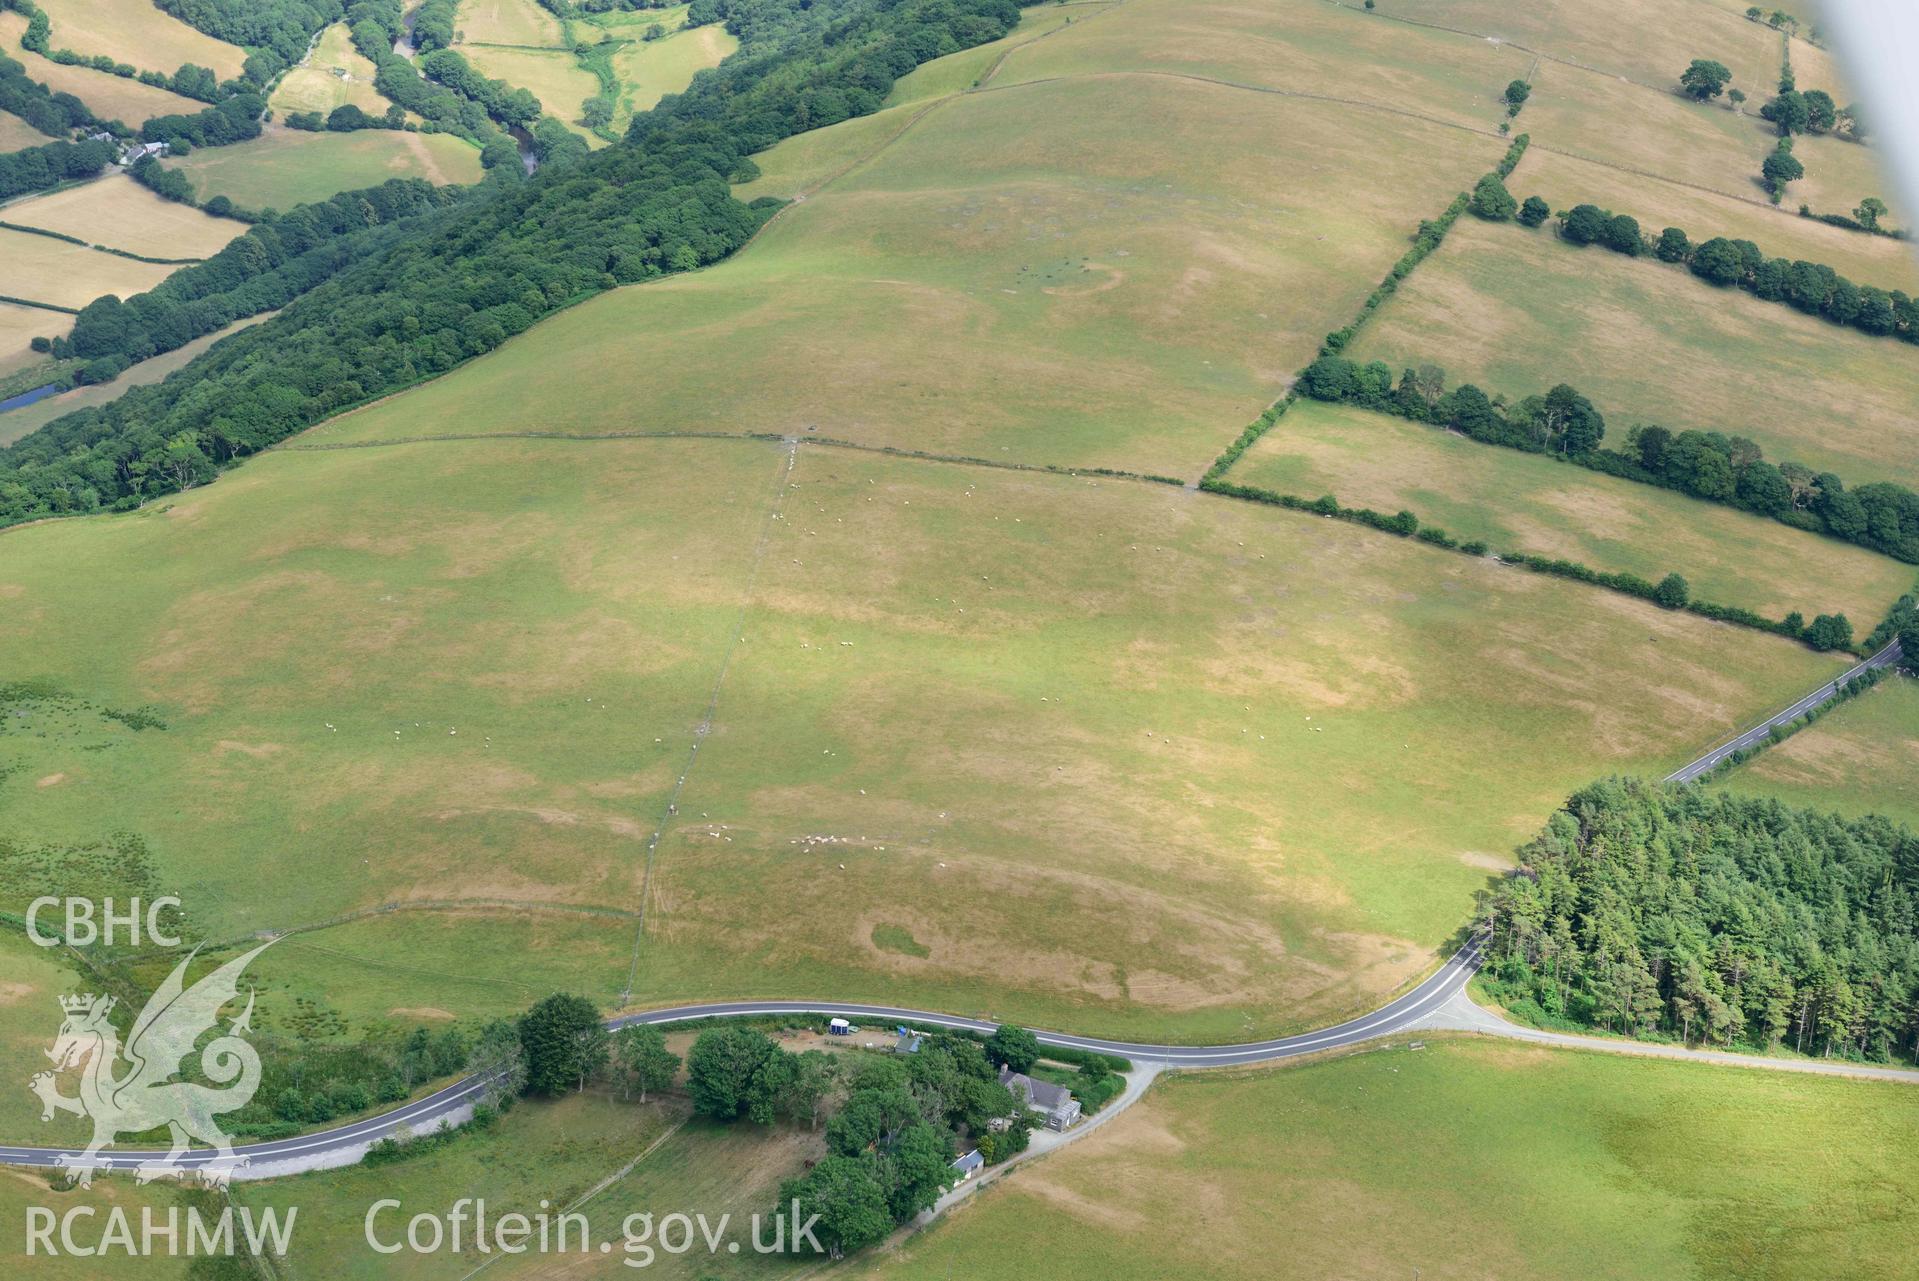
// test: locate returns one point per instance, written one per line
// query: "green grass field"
(1531, 503)
(1118, 770)
(521, 22)
(285, 167)
(1022, 274)
(649, 70)
(1463, 1159)
(1517, 311)
(551, 1152)
(958, 72)
(24, 1190)
(1862, 758)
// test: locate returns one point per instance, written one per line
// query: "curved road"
(343, 1143)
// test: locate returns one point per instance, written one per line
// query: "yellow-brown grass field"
(1564, 182)
(1295, 46)
(106, 95)
(16, 133)
(554, 76)
(1517, 311)
(118, 212)
(138, 33)
(521, 22)
(1530, 503)
(19, 326)
(1036, 273)
(43, 269)
(333, 75)
(1115, 755)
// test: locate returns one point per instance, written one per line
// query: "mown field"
(136, 32)
(106, 95)
(1862, 758)
(1111, 711)
(1022, 274)
(1462, 1159)
(318, 85)
(285, 167)
(120, 213)
(1531, 503)
(1517, 311)
(20, 326)
(42, 269)
(1564, 181)
(958, 72)
(16, 133)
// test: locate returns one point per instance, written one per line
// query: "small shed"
(838, 1027)
(969, 1165)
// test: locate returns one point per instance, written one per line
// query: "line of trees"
(1672, 912)
(237, 119)
(468, 279)
(1705, 464)
(1811, 287)
(374, 26)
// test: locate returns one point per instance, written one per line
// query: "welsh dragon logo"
(134, 1088)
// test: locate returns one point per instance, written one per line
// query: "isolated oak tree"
(1704, 79)
(1013, 1046)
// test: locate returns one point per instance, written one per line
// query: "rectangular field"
(1517, 311)
(118, 212)
(1862, 758)
(285, 167)
(1488, 1160)
(106, 95)
(43, 269)
(136, 32)
(1529, 503)
(1023, 275)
